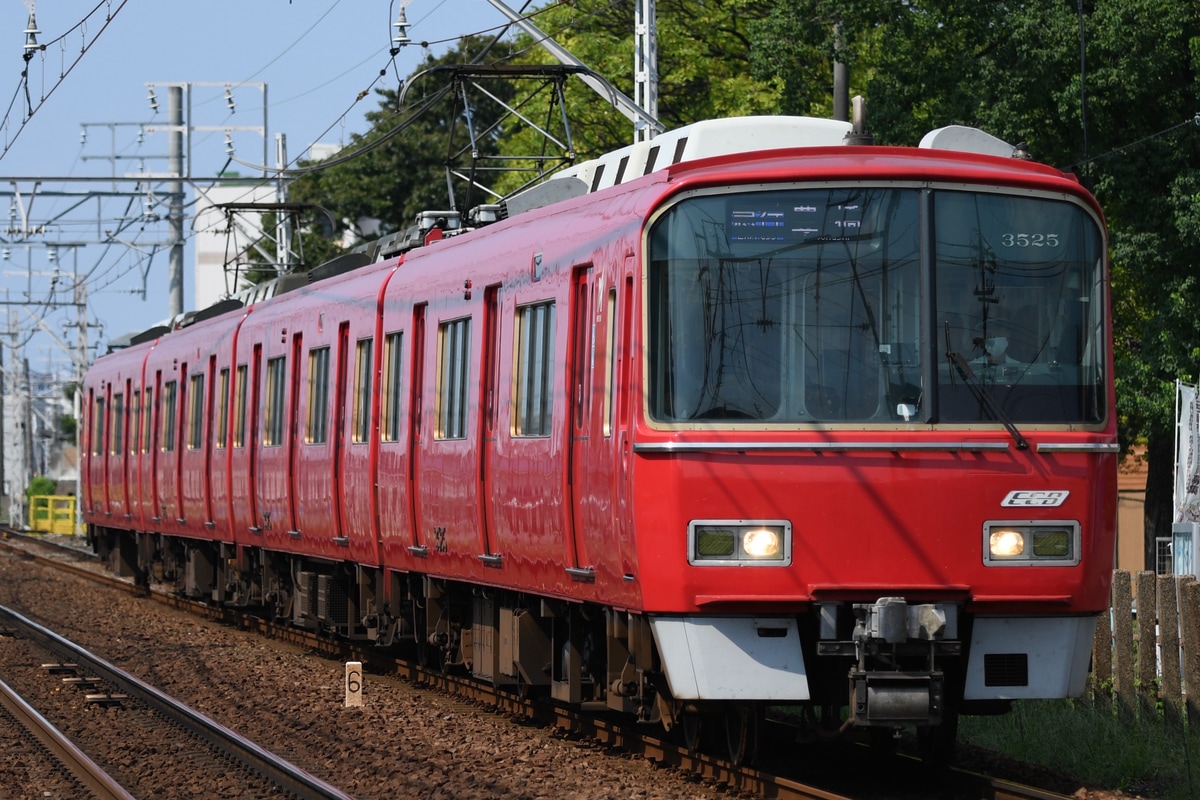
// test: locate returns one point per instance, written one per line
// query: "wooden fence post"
(1123, 657)
(1168, 637)
(1189, 607)
(1147, 646)
(1102, 663)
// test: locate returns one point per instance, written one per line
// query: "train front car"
(876, 465)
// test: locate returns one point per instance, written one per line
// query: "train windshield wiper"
(972, 382)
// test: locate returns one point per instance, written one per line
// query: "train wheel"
(741, 733)
(692, 725)
(525, 690)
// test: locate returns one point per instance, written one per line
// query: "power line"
(23, 83)
(1126, 148)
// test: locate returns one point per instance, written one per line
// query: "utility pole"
(77, 395)
(620, 101)
(175, 203)
(26, 395)
(3, 394)
(645, 67)
(841, 79)
(283, 222)
(13, 389)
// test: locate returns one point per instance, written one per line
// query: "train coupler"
(896, 698)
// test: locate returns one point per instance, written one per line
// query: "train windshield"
(863, 304)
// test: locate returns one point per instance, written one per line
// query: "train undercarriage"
(873, 669)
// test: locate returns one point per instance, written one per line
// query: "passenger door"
(579, 419)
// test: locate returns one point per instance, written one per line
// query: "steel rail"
(285, 775)
(85, 771)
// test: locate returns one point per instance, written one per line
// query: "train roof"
(735, 135)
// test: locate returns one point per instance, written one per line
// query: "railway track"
(107, 684)
(775, 779)
(62, 766)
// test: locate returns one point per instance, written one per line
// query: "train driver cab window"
(533, 373)
(1020, 311)
(454, 354)
(273, 413)
(785, 307)
(168, 415)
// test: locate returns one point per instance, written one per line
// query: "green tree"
(41, 485)
(66, 425)
(1143, 61)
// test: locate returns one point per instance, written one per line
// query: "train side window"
(534, 370)
(98, 427)
(170, 391)
(363, 367)
(454, 351)
(118, 427)
(147, 420)
(318, 396)
(273, 429)
(390, 430)
(195, 426)
(135, 423)
(239, 407)
(222, 407)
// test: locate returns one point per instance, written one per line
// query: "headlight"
(1031, 542)
(762, 543)
(1007, 543)
(740, 542)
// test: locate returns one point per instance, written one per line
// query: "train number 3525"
(1029, 239)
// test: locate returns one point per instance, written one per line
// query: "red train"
(741, 416)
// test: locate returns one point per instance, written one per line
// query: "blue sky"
(315, 57)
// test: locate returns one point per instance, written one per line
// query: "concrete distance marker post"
(354, 684)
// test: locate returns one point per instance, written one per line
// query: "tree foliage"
(41, 485)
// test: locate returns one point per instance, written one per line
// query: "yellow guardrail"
(52, 513)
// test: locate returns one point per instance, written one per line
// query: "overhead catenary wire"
(1124, 149)
(290, 168)
(23, 82)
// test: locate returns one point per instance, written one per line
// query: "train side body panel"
(482, 495)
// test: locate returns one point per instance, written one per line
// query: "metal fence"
(52, 513)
